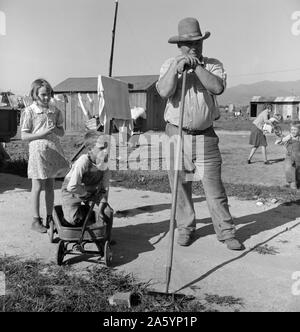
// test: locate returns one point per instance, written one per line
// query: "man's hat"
(188, 30)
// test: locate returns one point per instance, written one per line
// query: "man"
(206, 78)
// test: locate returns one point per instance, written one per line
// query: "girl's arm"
(26, 136)
(59, 128)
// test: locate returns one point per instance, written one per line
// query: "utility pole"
(113, 40)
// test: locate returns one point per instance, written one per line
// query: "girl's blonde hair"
(36, 85)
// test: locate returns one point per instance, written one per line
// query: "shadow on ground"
(136, 239)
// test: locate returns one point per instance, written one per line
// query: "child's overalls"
(292, 162)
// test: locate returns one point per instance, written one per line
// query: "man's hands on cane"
(186, 62)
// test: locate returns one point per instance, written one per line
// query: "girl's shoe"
(267, 163)
(49, 219)
(37, 225)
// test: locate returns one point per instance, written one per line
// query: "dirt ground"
(257, 279)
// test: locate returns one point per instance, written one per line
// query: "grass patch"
(223, 300)
(157, 181)
(32, 286)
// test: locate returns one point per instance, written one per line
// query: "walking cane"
(175, 186)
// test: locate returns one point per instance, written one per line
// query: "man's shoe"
(234, 244)
(38, 226)
(267, 163)
(249, 161)
(184, 239)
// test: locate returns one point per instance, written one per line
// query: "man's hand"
(186, 62)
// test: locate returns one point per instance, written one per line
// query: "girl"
(42, 123)
(257, 136)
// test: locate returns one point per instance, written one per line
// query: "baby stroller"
(92, 231)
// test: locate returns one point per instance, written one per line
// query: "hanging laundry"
(114, 104)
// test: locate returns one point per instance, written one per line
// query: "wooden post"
(113, 40)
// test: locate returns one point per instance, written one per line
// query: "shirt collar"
(38, 110)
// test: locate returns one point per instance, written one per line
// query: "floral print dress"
(46, 156)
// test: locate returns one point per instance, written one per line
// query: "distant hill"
(242, 94)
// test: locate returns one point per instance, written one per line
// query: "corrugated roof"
(260, 99)
(89, 84)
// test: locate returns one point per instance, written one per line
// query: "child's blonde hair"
(94, 136)
(36, 85)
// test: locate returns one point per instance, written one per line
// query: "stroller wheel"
(51, 231)
(107, 254)
(60, 252)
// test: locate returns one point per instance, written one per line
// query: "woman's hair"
(94, 136)
(36, 85)
(269, 106)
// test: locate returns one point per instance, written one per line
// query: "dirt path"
(258, 279)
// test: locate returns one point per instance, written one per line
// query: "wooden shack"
(288, 107)
(142, 93)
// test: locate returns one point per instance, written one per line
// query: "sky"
(256, 40)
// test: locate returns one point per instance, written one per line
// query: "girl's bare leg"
(264, 151)
(252, 153)
(37, 225)
(37, 186)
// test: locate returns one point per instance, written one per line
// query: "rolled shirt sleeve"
(215, 67)
(75, 184)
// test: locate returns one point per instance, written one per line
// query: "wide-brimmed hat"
(188, 30)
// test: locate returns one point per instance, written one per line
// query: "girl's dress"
(46, 156)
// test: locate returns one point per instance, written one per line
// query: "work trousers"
(200, 160)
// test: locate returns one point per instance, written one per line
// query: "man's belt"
(193, 132)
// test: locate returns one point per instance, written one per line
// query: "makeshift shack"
(142, 94)
(287, 107)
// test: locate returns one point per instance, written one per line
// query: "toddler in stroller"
(85, 187)
(88, 180)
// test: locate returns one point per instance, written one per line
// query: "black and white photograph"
(149, 158)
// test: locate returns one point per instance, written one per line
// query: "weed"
(223, 300)
(266, 250)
